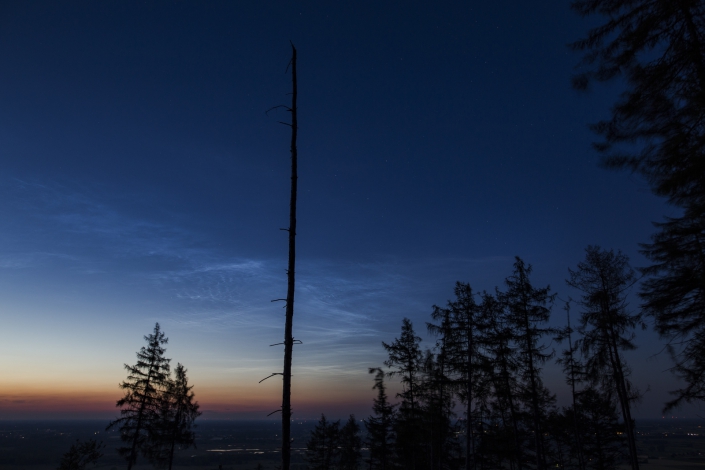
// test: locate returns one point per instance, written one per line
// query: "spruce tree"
(657, 47)
(527, 309)
(176, 420)
(322, 447)
(439, 430)
(503, 365)
(144, 388)
(406, 361)
(674, 295)
(607, 327)
(459, 331)
(380, 436)
(350, 442)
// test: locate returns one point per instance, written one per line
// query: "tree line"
(491, 347)
(476, 398)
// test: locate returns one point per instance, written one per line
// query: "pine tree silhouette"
(527, 308)
(607, 328)
(657, 48)
(175, 422)
(322, 451)
(406, 361)
(145, 384)
(380, 436)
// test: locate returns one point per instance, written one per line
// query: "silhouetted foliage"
(440, 443)
(528, 308)
(141, 406)
(656, 129)
(350, 445)
(574, 371)
(601, 433)
(322, 451)
(674, 294)
(607, 327)
(489, 355)
(656, 46)
(462, 364)
(406, 362)
(507, 439)
(380, 436)
(175, 424)
(81, 454)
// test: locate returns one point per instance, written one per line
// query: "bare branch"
(275, 373)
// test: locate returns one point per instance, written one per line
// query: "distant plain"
(238, 445)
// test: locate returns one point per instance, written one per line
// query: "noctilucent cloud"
(141, 181)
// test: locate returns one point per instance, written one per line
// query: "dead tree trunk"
(288, 336)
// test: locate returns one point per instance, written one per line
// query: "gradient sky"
(142, 182)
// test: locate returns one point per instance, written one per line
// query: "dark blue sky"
(142, 181)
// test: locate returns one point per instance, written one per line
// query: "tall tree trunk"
(512, 407)
(576, 432)
(174, 431)
(469, 448)
(624, 402)
(133, 452)
(288, 336)
(538, 439)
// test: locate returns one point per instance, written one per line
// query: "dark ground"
(229, 445)
(238, 445)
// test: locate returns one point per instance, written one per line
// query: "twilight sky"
(141, 181)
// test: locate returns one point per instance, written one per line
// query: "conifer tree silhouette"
(527, 308)
(144, 387)
(459, 333)
(607, 328)
(504, 360)
(658, 48)
(674, 294)
(350, 442)
(574, 371)
(600, 430)
(406, 361)
(322, 451)
(176, 420)
(380, 436)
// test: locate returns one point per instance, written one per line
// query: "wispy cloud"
(84, 218)
(344, 308)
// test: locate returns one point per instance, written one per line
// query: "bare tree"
(290, 274)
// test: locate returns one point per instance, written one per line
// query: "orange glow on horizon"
(310, 399)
